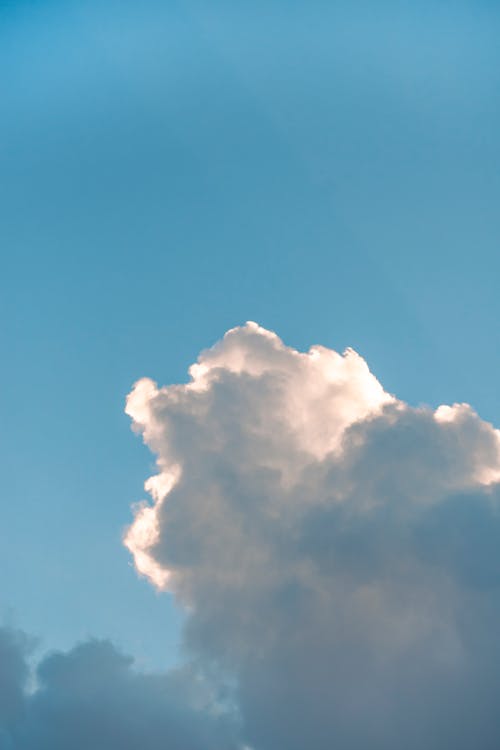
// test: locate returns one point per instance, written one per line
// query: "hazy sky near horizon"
(169, 170)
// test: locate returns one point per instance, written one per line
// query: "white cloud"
(338, 549)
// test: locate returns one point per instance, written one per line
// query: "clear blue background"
(171, 169)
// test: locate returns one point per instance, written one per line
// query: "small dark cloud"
(92, 698)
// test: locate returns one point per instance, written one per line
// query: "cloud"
(337, 550)
(13, 677)
(338, 556)
(91, 698)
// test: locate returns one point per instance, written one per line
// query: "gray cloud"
(91, 698)
(13, 677)
(337, 549)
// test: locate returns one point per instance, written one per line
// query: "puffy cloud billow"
(91, 698)
(337, 550)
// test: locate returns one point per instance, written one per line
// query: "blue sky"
(172, 169)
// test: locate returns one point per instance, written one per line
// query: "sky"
(171, 170)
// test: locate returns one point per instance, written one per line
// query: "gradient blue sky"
(171, 169)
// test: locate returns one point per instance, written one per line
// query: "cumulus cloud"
(337, 550)
(91, 698)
